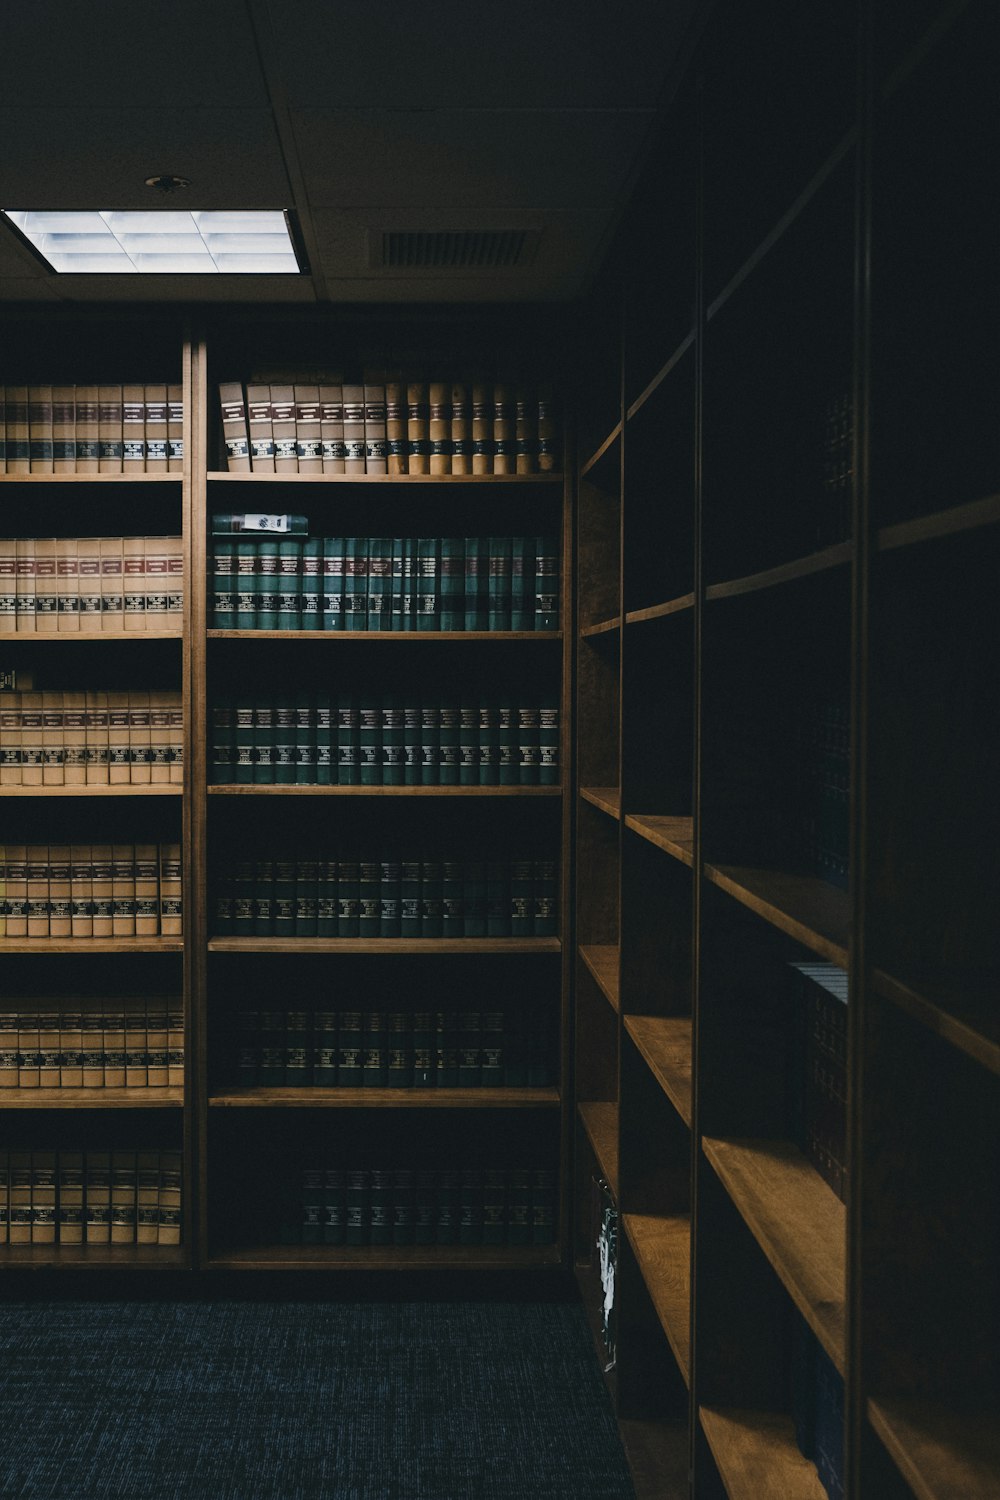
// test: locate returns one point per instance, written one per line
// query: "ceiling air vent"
(456, 250)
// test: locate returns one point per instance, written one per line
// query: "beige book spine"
(461, 445)
(147, 893)
(308, 430)
(60, 910)
(482, 428)
(8, 585)
(261, 433)
(134, 582)
(9, 1041)
(43, 1197)
(156, 429)
(283, 429)
(171, 895)
(26, 599)
(28, 1070)
(74, 716)
(157, 1058)
(48, 1044)
(136, 1076)
(98, 746)
(139, 737)
(354, 429)
(159, 736)
(38, 890)
(119, 726)
(100, 889)
(439, 428)
(88, 567)
(331, 426)
(525, 440)
(70, 1172)
(147, 1227)
(170, 1198)
(81, 891)
(123, 1197)
(123, 890)
(63, 429)
(417, 439)
(133, 429)
(67, 585)
(32, 740)
(109, 428)
(92, 1046)
(175, 429)
(114, 1043)
(395, 426)
(88, 440)
(46, 586)
(19, 1193)
(40, 429)
(174, 548)
(53, 752)
(503, 430)
(10, 739)
(70, 1043)
(97, 1174)
(376, 439)
(156, 564)
(112, 601)
(177, 741)
(18, 451)
(234, 427)
(175, 1041)
(17, 890)
(3, 893)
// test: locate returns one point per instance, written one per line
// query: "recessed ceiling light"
(179, 241)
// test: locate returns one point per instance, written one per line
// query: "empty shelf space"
(797, 1221)
(757, 1456)
(600, 1121)
(964, 1014)
(674, 835)
(662, 1248)
(943, 1454)
(809, 910)
(607, 798)
(665, 1043)
(602, 961)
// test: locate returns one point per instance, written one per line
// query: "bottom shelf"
(942, 1455)
(114, 1257)
(657, 1454)
(385, 1257)
(757, 1456)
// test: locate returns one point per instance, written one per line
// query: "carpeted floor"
(252, 1400)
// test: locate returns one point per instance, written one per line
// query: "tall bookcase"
(789, 466)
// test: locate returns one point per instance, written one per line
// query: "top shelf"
(225, 477)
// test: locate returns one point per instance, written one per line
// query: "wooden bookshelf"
(312, 789)
(674, 835)
(385, 1258)
(963, 1012)
(943, 1452)
(293, 945)
(80, 946)
(662, 1248)
(804, 907)
(384, 1098)
(660, 611)
(603, 627)
(838, 556)
(125, 790)
(478, 636)
(665, 1044)
(95, 1257)
(601, 960)
(600, 1121)
(447, 481)
(607, 798)
(169, 1097)
(758, 1457)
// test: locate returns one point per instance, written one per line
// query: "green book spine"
(425, 1208)
(474, 898)
(430, 745)
(333, 583)
(452, 575)
(494, 1208)
(247, 1048)
(430, 898)
(497, 899)
(446, 1049)
(403, 1207)
(448, 721)
(374, 1049)
(470, 1208)
(400, 1070)
(489, 743)
(223, 585)
(522, 583)
(522, 907)
(244, 742)
(518, 1208)
(325, 1048)
(493, 1049)
(298, 1046)
(515, 1072)
(358, 1207)
(284, 741)
(390, 898)
(423, 1049)
(263, 898)
(312, 1206)
(223, 770)
(312, 583)
(272, 1047)
(369, 887)
(246, 585)
(538, 1048)
(243, 888)
(379, 583)
(393, 766)
(348, 751)
(369, 740)
(545, 898)
(334, 1207)
(507, 744)
(290, 584)
(499, 585)
(468, 743)
(546, 583)
(396, 584)
(326, 903)
(527, 744)
(428, 577)
(543, 1207)
(409, 583)
(380, 1207)
(356, 583)
(409, 898)
(348, 898)
(476, 581)
(284, 896)
(452, 900)
(548, 743)
(267, 584)
(305, 740)
(470, 1042)
(306, 895)
(447, 1204)
(263, 742)
(349, 1050)
(324, 739)
(411, 744)
(224, 901)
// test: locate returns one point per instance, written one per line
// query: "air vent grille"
(457, 250)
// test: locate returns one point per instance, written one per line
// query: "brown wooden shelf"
(273, 1097)
(607, 798)
(660, 376)
(313, 789)
(943, 1453)
(662, 1247)
(665, 1044)
(963, 1013)
(382, 945)
(600, 1121)
(385, 1257)
(378, 635)
(757, 1455)
(797, 1221)
(660, 611)
(170, 1097)
(603, 627)
(223, 476)
(95, 1257)
(601, 452)
(35, 636)
(125, 790)
(674, 835)
(141, 478)
(971, 516)
(657, 1454)
(837, 556)
(92, 945)
(809, 910)
(602, 961)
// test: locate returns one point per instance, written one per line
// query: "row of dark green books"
(393, 1049)
(823, 757)
(120, 1197)
(136, 1041)
(294, 582)
(819, 1069)
(392, 740)
(502, 1206)
(303, 894)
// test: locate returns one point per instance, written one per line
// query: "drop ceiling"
(367, 118)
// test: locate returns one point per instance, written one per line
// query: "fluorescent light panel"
(180, 241)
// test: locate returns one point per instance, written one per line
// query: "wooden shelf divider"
(674, 835)
(607, 798)
(662, 1247)
(665, 1043)
(808, 909)
(601, 960)
(600, 1121)
(757, 1456)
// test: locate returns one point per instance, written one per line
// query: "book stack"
(823, 756)
(819, 1097)
(817, 1406)
(133, 1041)
(91, 429)
(432, 1206)
(394, 427)
(273, 576)
(116, 1197)
(382, 740)
(307, 892)
(90, 585)
(468, 1048)
(833, 522)
(93, 738)
(90, 890)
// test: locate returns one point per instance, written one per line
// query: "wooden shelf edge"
(606, 798)
(943, 1454)
(601, 960)
(599, 1119)
(665, 1045)
(601, 451)
(126, 790)
(310, 1097)
(223, 476)
(966, 1033)
(675, 836)
(94, 1257)
(662, 1249)
(141, 478)
(373, 635)
(837, 556)
(314, 789)
(799, 1224)
(757, 1455)
(91, 945)
(660, 376)
(36, 636)
(967, 517)
(387, 1258)
(602, 628)
(169, 1097)
(660, 611)
(382, 945)
(789, 902)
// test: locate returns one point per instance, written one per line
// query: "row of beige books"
(119, 1197)
(90, 890)
(91, 429)
(92, 738)
(91, 584)
(86, 1042)
(392, 427)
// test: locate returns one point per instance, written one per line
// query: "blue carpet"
(249, 1400)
